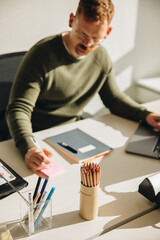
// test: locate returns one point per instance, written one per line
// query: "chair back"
(8, 67)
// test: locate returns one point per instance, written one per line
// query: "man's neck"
(68, 45)
(65, 41)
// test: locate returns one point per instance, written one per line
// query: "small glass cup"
(5, 233)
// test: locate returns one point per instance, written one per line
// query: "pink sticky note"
(52, 171)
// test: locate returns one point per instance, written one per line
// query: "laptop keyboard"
(157, 148)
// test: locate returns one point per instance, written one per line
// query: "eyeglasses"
(85, 39)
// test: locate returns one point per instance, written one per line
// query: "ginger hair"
(96, 10)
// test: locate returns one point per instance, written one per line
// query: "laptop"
(145, 142)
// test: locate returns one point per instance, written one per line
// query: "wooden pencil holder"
(88, 202)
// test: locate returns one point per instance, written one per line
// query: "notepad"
(6, 173)
(52, 171)
(78, 145)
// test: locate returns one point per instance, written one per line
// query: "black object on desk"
(16, 180)
(65, 145)
(150, 188)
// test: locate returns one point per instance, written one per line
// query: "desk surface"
(121, 174)
(146, 227)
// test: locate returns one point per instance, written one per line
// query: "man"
(60, 75)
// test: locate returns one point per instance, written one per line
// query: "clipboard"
(17, 181)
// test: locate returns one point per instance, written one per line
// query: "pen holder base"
(89, 202)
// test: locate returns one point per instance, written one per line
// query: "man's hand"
(36, 160)
(153, 119)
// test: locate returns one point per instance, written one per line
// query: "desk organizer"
(29, 215)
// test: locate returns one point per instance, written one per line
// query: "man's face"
(86, 35)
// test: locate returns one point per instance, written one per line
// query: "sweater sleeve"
(24, 93)
(118, 102)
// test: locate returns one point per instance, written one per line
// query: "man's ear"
(71, 18)
(108, 31)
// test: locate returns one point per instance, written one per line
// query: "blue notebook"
(78, 145)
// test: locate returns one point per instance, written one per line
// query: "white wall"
(134, 43)
(24, 22)
(143, 34)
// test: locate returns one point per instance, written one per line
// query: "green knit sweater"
(52, 87)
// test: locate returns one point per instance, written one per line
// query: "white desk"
(121, 174)
(146, 227)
